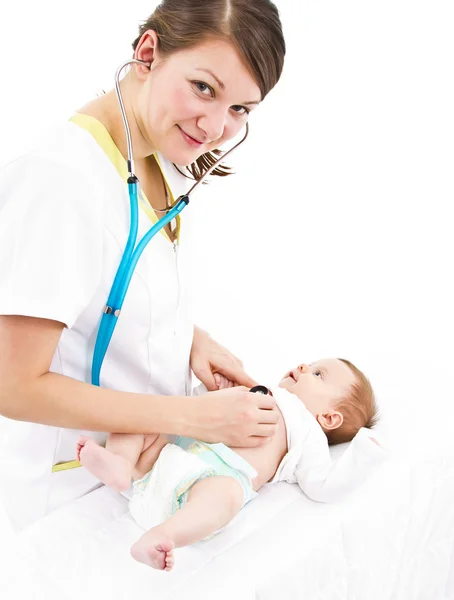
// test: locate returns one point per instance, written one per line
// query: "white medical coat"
(64, 221)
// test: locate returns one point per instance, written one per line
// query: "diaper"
(165, 489)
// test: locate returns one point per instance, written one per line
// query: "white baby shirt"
(308, 461)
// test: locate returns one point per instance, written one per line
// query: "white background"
(335, 237)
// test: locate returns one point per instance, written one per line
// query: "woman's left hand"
(209, 357)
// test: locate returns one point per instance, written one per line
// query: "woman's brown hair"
(253, 26)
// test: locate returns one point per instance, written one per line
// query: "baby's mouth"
(288, 375)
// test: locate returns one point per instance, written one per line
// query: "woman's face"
(195, 100)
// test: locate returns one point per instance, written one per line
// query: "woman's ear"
(146, 50)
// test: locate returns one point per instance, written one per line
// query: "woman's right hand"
(235, 417)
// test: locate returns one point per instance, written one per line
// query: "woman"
(63, 226)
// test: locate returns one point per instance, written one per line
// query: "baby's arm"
(325, 480)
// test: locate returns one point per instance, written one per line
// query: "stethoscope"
(132, 251)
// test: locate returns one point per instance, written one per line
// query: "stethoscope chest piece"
(260, 389)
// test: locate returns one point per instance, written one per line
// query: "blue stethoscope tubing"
(132, 252)
(124, 274)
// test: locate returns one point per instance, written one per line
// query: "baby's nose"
(303, 368)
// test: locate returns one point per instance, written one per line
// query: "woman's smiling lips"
(189, 139)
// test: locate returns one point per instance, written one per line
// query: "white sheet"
(392, 540)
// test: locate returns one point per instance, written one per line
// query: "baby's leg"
(113, 465)
(211, 504)
(152, 446)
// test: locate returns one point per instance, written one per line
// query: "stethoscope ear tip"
(139, 61)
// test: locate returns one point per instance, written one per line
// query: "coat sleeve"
(51, 240)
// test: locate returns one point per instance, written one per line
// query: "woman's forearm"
(61, 401)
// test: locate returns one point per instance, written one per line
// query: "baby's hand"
(222, 382)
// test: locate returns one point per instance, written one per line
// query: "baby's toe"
(170, 561)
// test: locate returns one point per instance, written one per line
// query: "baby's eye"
(318, 374)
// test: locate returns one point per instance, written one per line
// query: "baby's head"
(338, 395)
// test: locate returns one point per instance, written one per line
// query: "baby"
(193, 489)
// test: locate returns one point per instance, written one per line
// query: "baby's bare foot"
(155, 549)
(112, 469)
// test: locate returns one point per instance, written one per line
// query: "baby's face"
(319, 385)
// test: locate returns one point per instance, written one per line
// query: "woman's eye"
(202, 87)
(237, 109)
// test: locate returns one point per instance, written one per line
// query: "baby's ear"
(330, 420)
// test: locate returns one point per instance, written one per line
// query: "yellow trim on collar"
(72, 464)
(103, 138)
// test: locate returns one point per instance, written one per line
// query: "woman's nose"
(213, 124)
